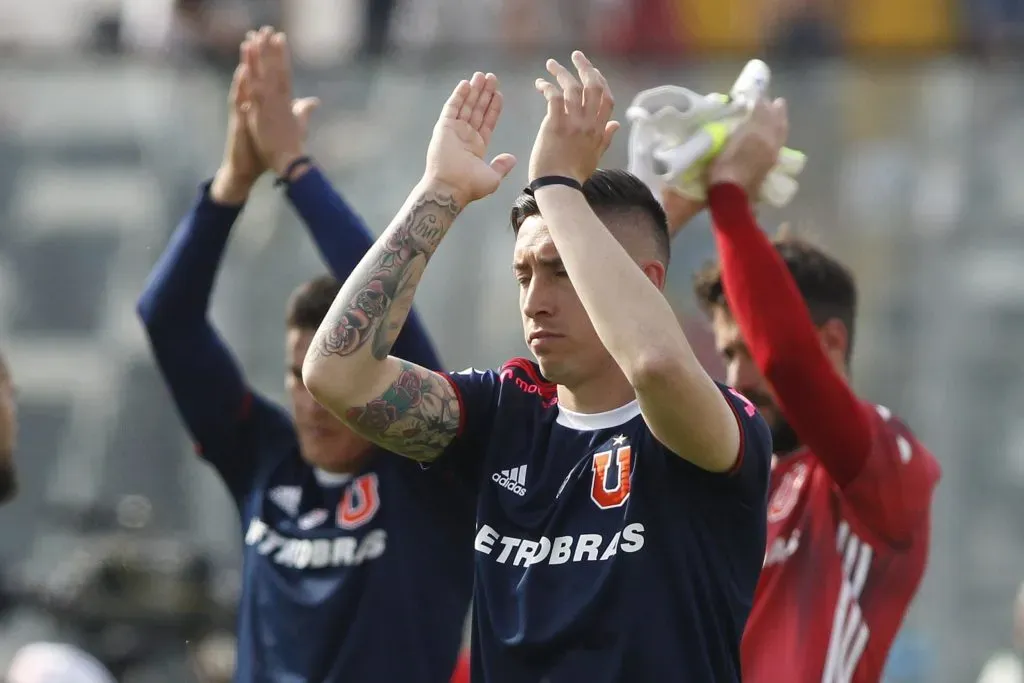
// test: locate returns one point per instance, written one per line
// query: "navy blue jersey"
(362, 581)
(601, 556)
(336, 570)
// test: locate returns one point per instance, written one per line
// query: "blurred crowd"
(326, 30)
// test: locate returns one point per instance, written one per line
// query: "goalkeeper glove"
(675, 134)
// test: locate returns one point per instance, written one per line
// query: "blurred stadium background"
(112, 111)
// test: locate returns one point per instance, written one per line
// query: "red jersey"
(835, 584)
(848, 516)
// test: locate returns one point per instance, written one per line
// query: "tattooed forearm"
(375, 301)
(417, 416)
(397, 405)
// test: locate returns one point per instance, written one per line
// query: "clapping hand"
(752, 151)
(746, 159)
(577, 130)
(277, 123)
(268, 135)
(456, 155)
(241, 165)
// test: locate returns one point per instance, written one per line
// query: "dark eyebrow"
(553, 263)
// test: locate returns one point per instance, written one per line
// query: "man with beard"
(851, 487)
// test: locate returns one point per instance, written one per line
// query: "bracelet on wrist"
(547, 180)
(286, 177)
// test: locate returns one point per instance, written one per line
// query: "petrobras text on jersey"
(314, 553)
(523, 552)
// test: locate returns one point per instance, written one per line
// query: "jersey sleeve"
(477, 394)
(892, 493)
(239, 448)
(746, 483)
(753, 463)
(205, 380)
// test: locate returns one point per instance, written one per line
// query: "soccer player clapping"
(851, 490)
(622, 492)
(357, 565)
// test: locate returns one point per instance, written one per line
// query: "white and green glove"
(675, 133)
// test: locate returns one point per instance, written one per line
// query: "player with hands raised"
(851, 486)
(621, 493)
(329, 522)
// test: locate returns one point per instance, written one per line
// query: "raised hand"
(277, 123)
(577, 129)
(753, 149)
(455, 157)
(241, 166)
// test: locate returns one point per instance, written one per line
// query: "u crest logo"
(360, 502)
(786, 496)
(610, 488)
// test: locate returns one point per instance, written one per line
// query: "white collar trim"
(325, 478)
(592, 422)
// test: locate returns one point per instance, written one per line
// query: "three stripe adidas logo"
(514, 479)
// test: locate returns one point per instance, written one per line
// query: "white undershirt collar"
(325, 478)
(591, 422)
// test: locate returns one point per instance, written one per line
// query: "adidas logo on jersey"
(288, 498)
(514, 480)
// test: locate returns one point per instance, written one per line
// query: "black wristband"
(546, 180)
(286, 177)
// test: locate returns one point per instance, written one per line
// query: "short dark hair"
(827, 286)
(309, 304)
(610, 193)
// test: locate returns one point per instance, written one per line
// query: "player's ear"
(835, 339)
(655, 272)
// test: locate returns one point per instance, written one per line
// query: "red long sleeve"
(783, 341)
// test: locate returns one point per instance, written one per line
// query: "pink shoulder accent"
(526, 377)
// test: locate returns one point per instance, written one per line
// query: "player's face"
(742, 373)
(324, 441)
(8, 438)
(555, 324)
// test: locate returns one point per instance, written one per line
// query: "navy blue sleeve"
(753, 464)
(477, 392)
(205, 381)
(746, 483)
(343, 239)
